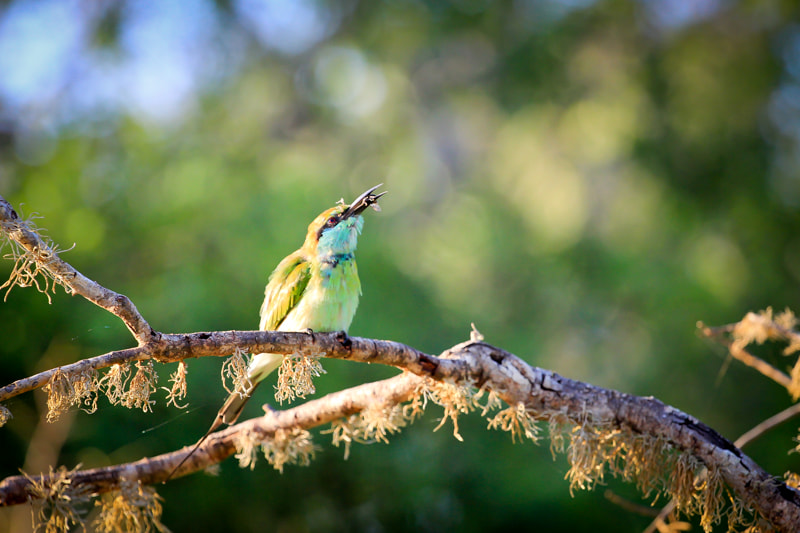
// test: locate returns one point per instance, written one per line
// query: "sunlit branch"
(221, 445)
(177, 347)
(542, 392)
(745, 439)
(738, 351)
(20, 232)
(607, 427)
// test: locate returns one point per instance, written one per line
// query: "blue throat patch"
(332, 261)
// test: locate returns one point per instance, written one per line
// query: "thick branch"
(648, 416)
(174, 347)
(474, 363)
(46, 257)
(221, 445)
(541, 391)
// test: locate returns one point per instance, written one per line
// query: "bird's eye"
(332, 221)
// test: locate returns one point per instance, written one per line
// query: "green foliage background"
(582, 180)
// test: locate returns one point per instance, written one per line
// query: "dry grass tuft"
(454, 398)
(121, 389)
(379, 421)
(67, 389)
(293, 446)
(344, 431)
(296, 377)
(709, 499)
(286, 446)
(57, 505)
(113, 383)
(178, 389)
(247, 444)
(5, 415)
(134, 507)
(416, 406)
(235, 369)
(517, 421)
(141, 387)
(369, 426)
(31, 266)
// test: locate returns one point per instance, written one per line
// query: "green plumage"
(284, 290)
(315, 288)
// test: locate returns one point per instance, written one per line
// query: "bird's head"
(336, 230)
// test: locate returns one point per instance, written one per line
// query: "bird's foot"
(343, 339)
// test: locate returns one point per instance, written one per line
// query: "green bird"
(315, 288)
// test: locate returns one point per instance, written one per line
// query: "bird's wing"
(284, 290)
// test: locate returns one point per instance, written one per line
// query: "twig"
(661, 518)
(759, 364)
(629, 505)
(743, 355)
(766, 425)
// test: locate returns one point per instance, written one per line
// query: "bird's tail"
(232, 408)
(260, 367)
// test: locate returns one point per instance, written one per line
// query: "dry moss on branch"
(133, 507)
(234, 369)
(594, 446)
(369, 426)
(767, 326)
(31, 267)
(56, 504)
(285, 446)
(68, 389)
(177, 391)
(296, 376)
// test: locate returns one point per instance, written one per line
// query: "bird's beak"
(364, 201)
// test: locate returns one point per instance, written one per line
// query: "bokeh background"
(582, 179)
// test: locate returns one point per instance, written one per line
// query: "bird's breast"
(330, 299)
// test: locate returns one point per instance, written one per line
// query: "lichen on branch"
(602, 432)
(32, 265)
(36, 263)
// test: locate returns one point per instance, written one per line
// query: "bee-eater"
(315, 288)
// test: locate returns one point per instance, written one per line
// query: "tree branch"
(177, 347)
(755, 432)
(601, 430)
(544, 395)
(221, 445)
(46, 257)
(757, 327)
